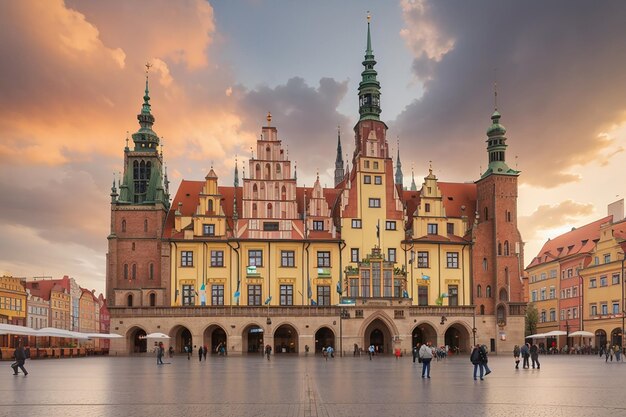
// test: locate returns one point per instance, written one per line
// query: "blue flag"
(405, 294)
(313, 302)
(425, 277)
(268, 299)
(339, 290)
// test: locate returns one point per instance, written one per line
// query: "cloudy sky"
(72, 78)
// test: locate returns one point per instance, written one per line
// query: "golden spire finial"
(269, 119)
(369, 16)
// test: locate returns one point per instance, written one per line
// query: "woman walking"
(426, 354)
(516, 353)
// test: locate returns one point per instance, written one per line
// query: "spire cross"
(369, 16)
(127, 138)
(148, 66)
(495, 88)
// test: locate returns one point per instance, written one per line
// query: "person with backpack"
(476, 361)
(20, 359)
(484, 359)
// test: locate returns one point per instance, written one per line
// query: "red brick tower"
(497, 254)
(138, 270)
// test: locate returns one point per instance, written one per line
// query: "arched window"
(268, 171)
(133, 246)
(503, 295)
(129, 300)
(123, 225)
(151, 271)
(145, 225)
(508, 216)
(152, 299)
(254, 210)
(283, 193)
(276, 191)
(268, 152)
(269, 210)
(133, 274)
(125, 271)
(210, 206)
(255, 192)
(278, 168)
(499, 248)
(488, 291)
(257, 171)
(482, 310)
(500, 314)
(506, 248)
(262, 191)
(485, 264)
(479, 291)
(486, 213)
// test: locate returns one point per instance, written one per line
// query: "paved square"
(309, 386)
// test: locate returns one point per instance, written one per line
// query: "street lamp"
(343, 314)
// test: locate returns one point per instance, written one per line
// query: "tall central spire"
(399, 176)
(369, 87)
(145, 139)
(339, 167)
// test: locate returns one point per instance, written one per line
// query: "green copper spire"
(145, 139)
(496, 148)
(399, 176)
(369, 87)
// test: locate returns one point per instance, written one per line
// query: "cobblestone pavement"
(309, 387)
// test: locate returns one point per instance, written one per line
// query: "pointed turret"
(399, 176)
(339, 166)
(496, 148)
(413, 185)
(369, 87)
(145, 139)
(236, 184)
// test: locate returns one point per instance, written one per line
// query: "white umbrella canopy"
(155, 336)
(54, 332)
(582, 333)
(555, 333)
(19, 330)
(536, 336)
(104, 335)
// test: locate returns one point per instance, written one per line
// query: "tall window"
(254, 295)
(453, 295)
(152, 299)
(323, 259)
(151, 271)
(450, 228)
(323, 295)
(287, 258)
(255, 258)
(422, 295)
(129, 303)
(485, 265)
(145, 225)
(432, 229)
(186, 258)
(189, 295)
(123, 225)
(286, 295)
(133, 274)
(125, 271)
(217, 258)
(378, 180)
(365, 283)
(217, 295)
(452, 259)
(367, 179)
(391, 254)
(354, 255)
(376, 279)
(479, 291)
(422, 259)
(427, 207)
(506, 248)
(141, 177)
(488, 291)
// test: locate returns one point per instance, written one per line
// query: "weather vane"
(369, 16)
(148, 66)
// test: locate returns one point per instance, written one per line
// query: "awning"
(155, 336)
(53, 332)
(554, 333)
(104, 336)
(536, 336)
(582, 333)
(19, 330)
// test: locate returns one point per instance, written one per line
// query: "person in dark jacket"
(516, 354)
(20, 358)
(534, 356)
(476, 361)
(525, 351)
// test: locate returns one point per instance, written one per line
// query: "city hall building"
(266, 261)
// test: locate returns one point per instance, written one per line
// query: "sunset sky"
(72, 80)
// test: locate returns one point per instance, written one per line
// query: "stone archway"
(616, 337)
(377, 333)
(422, 333)
(136, 341)
(213, 337)
(600, 338)
(324, 337)
(252, 339)
(180, 337)
(285, 339)
(457, 338)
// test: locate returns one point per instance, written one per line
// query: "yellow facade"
(12, 300)
(60, 314)
(602, 289)
(543, 289)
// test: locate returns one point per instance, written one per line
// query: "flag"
(378, 230)
(339, 290)
(405, 294)
(237, 294)
(313, 302)
(309, 289)
(268, 299)
(425, 277)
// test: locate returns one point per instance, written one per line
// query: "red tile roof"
(577, 241)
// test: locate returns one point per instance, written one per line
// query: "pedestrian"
(426, 353)
(324, 353)
(476, 361)
(160, 353)
(534, 356)
(188, 350)
(268, 351)
(416, 350)
(371, 350)
(484, 359)
(525, 351)
(330, 351)
(171, 351)
(516, 353)
(204, 351)
(20, 359)
(618, 353)
(200, 350)
(356, 350)
(397, 352)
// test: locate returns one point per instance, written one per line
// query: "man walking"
(370, 350)
(534, 356)
(426, 354)
(20, 358)
(525, 351)
(484, 359)
(475, 359)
